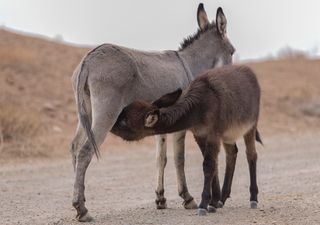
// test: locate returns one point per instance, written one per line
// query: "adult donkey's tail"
(83, 115)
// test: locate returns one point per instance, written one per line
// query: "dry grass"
(291, 53)
(19, 132)
(16, 55)
(37, 113)
(17, 123)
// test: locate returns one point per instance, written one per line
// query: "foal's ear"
(221, 22)
(202, 17)
(151, 118)
(168, 99)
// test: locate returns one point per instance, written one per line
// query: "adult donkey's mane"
(193, 37)
(185, 42)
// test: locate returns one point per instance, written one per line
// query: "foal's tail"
(83, 115)
(258, 137)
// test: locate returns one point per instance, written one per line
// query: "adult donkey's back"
(110, 77)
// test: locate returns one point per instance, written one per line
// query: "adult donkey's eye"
(233, 50)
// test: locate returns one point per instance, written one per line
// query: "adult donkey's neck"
(201, 54)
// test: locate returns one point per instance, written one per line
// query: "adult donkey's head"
(209, 47)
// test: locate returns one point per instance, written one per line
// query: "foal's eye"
(123, 123)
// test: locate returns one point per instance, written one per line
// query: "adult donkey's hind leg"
(105, 111)
(80, 136)
(83, 159)
(161, 158)
(179, 158)
(77, 142)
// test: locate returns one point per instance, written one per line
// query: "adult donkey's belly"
(158, 73)
(149, 88)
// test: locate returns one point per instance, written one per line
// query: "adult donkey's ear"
(202, 17)
(221, 22)
(168, 99)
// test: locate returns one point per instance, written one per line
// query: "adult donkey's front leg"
(161, 158)
(179, 158)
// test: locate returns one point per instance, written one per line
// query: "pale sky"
(256, 28)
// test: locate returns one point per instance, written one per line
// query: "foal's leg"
(216, 192)
(231, 157)
(210, 151)
(104, 114)
(161, 158)
(179, 152)
(249, 139)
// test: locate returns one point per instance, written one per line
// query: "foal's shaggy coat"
(219, 106)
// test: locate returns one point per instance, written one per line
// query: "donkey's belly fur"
(234, 132)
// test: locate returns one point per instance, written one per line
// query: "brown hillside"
(290, 95)
(37, 110)
(35, 86)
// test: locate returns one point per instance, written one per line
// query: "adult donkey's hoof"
(190, 204)
(202, 212)
(212, 209)
(82, 212)
(253, 204)
(161, 203)
(85, 218)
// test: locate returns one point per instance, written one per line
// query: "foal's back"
(232, 99)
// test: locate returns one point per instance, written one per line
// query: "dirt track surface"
(120, 187)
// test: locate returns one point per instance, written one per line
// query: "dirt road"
(120, 188)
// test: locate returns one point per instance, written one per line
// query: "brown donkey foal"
(219, 106)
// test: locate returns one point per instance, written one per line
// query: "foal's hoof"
(212, 209)
(85, 218)
(202, 212)
(219, 204)
(253, 204)
(190, 205)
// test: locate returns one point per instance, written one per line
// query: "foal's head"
(138, 119)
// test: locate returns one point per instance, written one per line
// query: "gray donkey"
(219, 106)
(110, 77)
